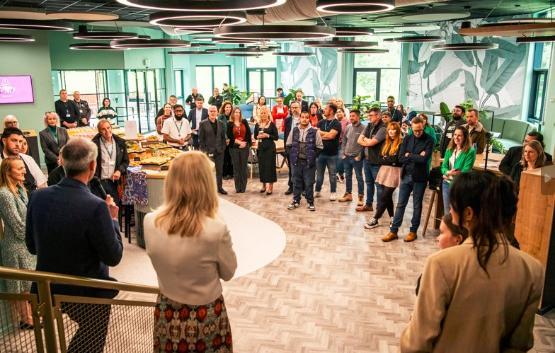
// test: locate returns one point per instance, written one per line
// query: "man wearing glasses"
(415, 151)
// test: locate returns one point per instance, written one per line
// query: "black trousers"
(111, 188)
(290, 167)
(239, 157)
(93, 321)
(228, 163)
(218, 159)
(385, 202)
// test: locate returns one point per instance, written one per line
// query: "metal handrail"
(36, 276)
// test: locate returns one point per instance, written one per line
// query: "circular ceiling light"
(36, 25)
(212, 6)
(195, 31)
(152, 43)
(266, 32)
(83, 33)
(189, 52)
(15, 38)
(464, 46)
(352, 31)
(234, 41)
(364, 51)
(241, 50)
(293, 53)
(243, 55)
(205, 44)
(93, 46)
(197, 20)
(415, 39)
(355, 6)
(433, 16)
(535, 39)
(82, 16)
(339, 44)
(516, 21)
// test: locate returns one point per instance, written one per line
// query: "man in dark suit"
(76, 233)
(212, 140)
(196, 116)
(290, 122)
(299, 99)
(67, 110)
(514, 154)
(112, 160)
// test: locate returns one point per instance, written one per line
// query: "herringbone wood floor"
(336, 287)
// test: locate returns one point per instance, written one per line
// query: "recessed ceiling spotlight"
(85, 34)
(339, 44)
(415, 39)
(268, 32)
(464, 46)
(212, 6)
(35, 25)
(152, 43)
(92, 46)
(197, 19)
(355, 6)
(15, 38)
(352, 31)
(364, 51)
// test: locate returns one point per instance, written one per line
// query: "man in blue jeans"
(372, 138)
(352, 158)
(414, 154)
(330, 130)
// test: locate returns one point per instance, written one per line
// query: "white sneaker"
(333, 196)
(317, 194)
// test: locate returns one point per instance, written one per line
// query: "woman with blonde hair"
(191, 250)
(389, 176)
(533, 156)
(13, 213)
(52, 139)
(266, 133)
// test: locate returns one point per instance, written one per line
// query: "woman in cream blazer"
(481, 296)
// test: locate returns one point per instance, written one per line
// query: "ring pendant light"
(190, 52)
(269, 32)
(535, 39)
(415, 39)
(194, 20)
(293, 53)
(85, 34)
(35, 25)
(212, 6)
(352, 31)
(152, 43)
(363, 51)
(464, 46)
(339, 44)
(15, 38)
(355, 6)
(93, 46)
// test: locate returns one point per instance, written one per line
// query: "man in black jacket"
(456, 121)
(67, 111)
(514, 154)
(192, 98)
(112, 159)
(212, 141)
(84, 110)
(291, 122)
(415, 151)
(76, 233)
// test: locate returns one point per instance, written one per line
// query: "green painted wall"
(33, 59)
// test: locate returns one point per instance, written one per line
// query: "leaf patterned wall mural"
(493, 79)
(316, 75)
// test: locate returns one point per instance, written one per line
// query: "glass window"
(546, 55)
(389, 83)
(386, 60)
(210, 77)
(264, 60)
(178, 76)
(366, 83)
(221, 76)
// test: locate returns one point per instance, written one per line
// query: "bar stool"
(434, 185)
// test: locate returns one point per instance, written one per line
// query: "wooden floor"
(335, 288)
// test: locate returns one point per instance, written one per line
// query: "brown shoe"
(365, 208)
(411, 237)
(360, 202)
(390, 237)
(348, 197)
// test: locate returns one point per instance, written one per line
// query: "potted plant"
(234, 95)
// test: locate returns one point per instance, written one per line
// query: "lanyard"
(327, 124)
(178, 127)
(111, 151)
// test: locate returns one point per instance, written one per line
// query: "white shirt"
(34, 169)
(176, 129)
(189, 268)
(108, 156)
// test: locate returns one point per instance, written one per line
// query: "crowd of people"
(387, 150)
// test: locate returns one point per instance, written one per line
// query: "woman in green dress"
(13, 211)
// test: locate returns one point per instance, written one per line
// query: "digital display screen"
(16, 89)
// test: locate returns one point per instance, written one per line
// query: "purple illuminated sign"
(16, 89)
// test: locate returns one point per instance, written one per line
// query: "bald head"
(10, 121)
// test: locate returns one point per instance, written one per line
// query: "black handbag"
(435, 179)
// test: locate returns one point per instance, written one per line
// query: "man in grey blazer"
(212, 141)
(195, 117)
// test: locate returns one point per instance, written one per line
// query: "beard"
(178, 117)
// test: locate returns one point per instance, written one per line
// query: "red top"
(278, 115)
(239, 132)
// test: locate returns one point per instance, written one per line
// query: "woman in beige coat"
(482, 295)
